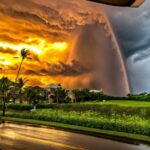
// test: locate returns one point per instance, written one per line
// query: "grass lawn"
(127, 103)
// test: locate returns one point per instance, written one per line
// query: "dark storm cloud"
(61, 69)
(44, 19)
(72, 69)
(28, 4)
(141, 56)
(132, 29)
(32, 16)
(28, 17)
(53, 17)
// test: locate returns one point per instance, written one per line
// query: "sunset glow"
(39, 48)
(49, 32)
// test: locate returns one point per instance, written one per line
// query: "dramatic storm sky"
(132, 27)
(71, 42)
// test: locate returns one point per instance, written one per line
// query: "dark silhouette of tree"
(24, 53)
(5, 85)
(20, 84)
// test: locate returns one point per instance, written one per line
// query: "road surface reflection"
(22, 137)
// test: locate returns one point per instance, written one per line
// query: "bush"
(19, 107)
(27, 107)
(109, 117)
(123, 123)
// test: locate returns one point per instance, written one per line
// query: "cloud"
(7, 38)
(80, 24)
(141, 55)
(31, 72)
(8, 51)
(62, 69)
(75, 68)
(131, 27)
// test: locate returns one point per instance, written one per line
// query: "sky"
(132, 30)
(76, 43)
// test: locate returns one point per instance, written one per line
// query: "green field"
(122, 116)
(128, 103)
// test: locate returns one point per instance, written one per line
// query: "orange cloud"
(50, 30)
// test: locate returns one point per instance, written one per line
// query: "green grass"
(89, 131)
(121, 116)
(127, 103)
(108, 119)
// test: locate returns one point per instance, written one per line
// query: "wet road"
(22, 137)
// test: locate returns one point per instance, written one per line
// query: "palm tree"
(20, 84)
(24, 53)
(5, 84)
(61, 94)
(31, 95)
(77, 95)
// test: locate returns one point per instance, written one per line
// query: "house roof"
(52, 86)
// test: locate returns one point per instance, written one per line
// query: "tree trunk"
(19, 70)
(20, 96)
(4, 106)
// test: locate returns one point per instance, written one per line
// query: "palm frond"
(24, 53)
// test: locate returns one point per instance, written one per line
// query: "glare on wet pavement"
(23, 137)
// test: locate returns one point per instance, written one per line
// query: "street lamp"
(121, 3)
